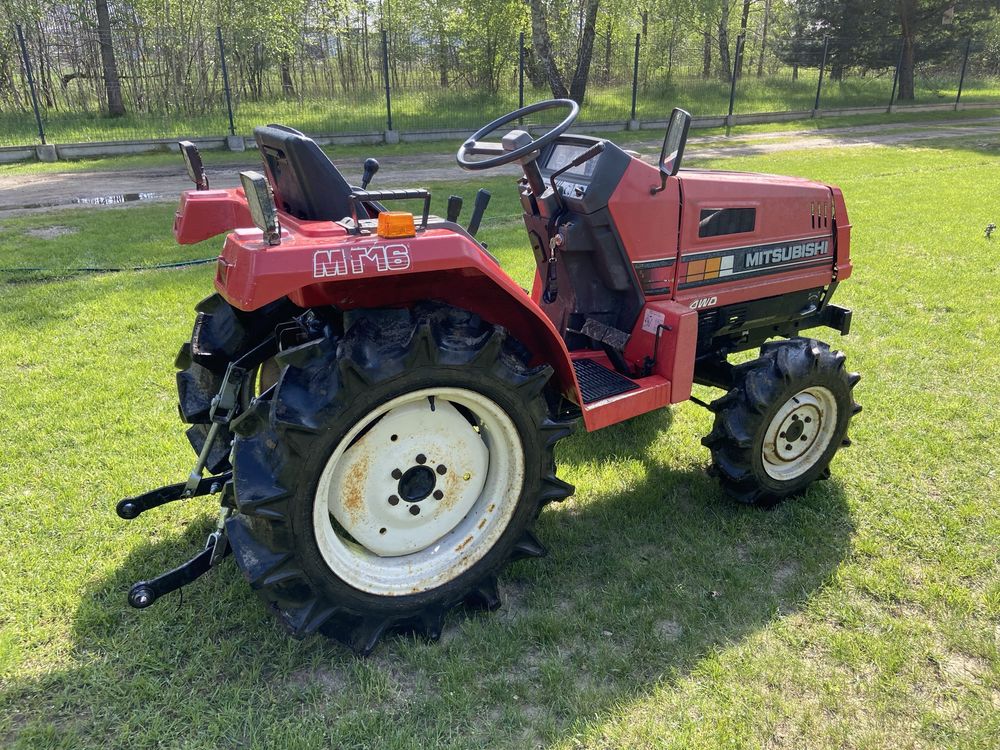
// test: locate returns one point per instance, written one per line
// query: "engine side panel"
(746, 237)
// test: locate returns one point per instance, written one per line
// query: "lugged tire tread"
(739, 414)
(321, 379)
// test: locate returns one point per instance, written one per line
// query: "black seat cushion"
(306, 183)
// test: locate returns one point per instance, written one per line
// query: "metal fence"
(342, 84)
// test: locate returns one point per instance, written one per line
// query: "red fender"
(207, 213)
(319, 263)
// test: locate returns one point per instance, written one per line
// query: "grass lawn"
(862, 615)
(423, 108)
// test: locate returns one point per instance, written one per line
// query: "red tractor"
(377, 401)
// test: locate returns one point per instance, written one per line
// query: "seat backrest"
(306, 183)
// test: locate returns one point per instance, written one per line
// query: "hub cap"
(418, 491)
(799, 434)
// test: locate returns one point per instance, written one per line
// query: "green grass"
(862, 615)
(423, 108)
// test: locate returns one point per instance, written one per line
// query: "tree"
(861, 33)
(763, 38)
(725, 65)
(542, 43)
(112, 81)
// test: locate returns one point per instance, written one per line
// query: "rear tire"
(392, 473)
(221, 334)
(779, 428)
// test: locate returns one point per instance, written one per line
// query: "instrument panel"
(585, 187)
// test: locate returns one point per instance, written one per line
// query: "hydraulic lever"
(478, 209)
(454, 208)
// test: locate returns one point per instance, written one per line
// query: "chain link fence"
(363, 83)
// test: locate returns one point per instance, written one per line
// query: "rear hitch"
(223, 410)
(132, 507)
(145, 593)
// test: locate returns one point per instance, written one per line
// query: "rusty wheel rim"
(799, 433)
(418, 491)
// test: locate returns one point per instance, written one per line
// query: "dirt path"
(30, 193)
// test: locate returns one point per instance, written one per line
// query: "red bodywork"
(319, 263)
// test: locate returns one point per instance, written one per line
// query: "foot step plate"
(597, 382)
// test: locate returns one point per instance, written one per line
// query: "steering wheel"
(496, 151)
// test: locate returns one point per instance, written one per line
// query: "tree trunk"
(112, 82)
(287, 87)
(725, 64)
(578, 87)
(743, 33)
(542, 44)
(763, 38)
(442, 59)
(907, 24)
(706, 53)
(606, 73)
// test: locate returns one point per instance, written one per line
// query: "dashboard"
(588, 186)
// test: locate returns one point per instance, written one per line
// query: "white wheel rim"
(422, 492)
(799, 433)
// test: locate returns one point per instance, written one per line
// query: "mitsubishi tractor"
(376, 402)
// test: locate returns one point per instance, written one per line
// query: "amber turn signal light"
(396, 224)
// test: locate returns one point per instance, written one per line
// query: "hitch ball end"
(127, 509)
(141, 595)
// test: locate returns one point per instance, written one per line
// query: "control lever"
(454, 207)
(478, 209)
(371, 167)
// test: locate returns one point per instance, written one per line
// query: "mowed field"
(861, 615)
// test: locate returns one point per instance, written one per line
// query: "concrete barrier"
(117, 148)
(13, 154)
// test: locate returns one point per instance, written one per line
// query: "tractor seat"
(306, 183)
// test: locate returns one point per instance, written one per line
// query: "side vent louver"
(820, 214)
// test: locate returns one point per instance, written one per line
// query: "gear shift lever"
(371, 167)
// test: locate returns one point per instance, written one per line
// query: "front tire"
(777, 430)
(391, 473)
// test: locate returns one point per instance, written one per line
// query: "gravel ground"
(39, 192)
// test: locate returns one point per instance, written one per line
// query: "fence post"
(961, 78)
(822, 67)
(225, 85)
(895, 77)
(520, 71)
(31, 85)
(391, 136)
(732, 85)
(633, 123)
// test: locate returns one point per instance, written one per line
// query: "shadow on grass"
(651, 570)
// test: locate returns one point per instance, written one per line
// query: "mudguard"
(321, 263)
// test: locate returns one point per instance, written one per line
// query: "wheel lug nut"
(788, 447)
(781, 435)
(441, 469)
(393, 500)
(421, 458)
(438, 494)
(808, 420)
(414, 510)
(804, 437)
(397, 474)
(467, 476)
